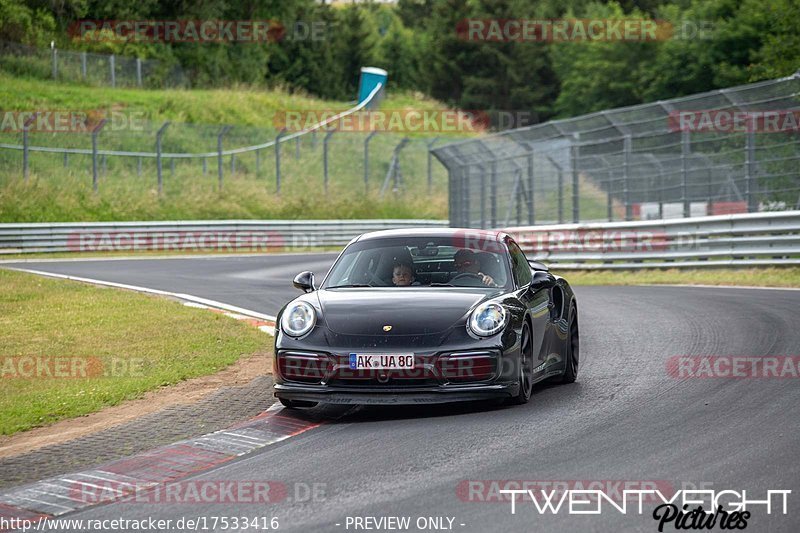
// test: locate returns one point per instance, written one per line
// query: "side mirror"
(304, 281)
(542, 280)
(536, 265)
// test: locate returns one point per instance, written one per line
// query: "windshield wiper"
(349, 285)
(442, 285)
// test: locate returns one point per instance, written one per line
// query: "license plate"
(381, 361)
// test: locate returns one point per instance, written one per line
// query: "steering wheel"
(374, 280)
(468, 275)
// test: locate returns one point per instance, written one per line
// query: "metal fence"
(183, 236)
(636, 163)
(751, 239)
(166, 154)
(87, 67)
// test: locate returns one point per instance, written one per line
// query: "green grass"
(239, 105)
(163, 341)
(60, 191)
(756, 277)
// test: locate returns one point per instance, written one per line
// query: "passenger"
(467, 262)
(403, 275)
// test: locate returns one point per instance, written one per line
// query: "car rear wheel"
(524, 374)
(572, 350)
(296, 404)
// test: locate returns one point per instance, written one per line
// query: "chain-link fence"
(95, 69)
(727, 151)
(163, 156)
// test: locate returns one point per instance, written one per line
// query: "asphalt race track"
(626, 418)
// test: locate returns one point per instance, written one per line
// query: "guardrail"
(179, 236)
(756, 239)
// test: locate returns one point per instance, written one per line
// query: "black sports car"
(426, 316)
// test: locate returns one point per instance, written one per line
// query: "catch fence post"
(25, 148)
(750, 171)
(221, 134)
(685, 172)
(95, 132)
(430, 164)
(325, 158)
(159, 134)
(366, 160)
(112, 63)
(278, 160)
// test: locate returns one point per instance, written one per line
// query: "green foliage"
(25, 24)
(715, 44)
(602, 74)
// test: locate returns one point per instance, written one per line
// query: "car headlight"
(298, 319)
(487, 319)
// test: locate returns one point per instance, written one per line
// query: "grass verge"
(70, 349)
(59, 188)
(755, 277)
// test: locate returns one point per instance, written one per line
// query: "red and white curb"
(265, 323)
(63, 494)
(267, 326)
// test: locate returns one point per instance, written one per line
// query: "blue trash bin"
(370, 78)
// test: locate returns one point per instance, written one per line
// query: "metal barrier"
(722, 152)
(756, 239)
(223, 235)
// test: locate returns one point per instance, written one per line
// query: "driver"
(467, 262)
(403, 275)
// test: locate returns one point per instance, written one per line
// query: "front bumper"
(447, 368)
(395, 396)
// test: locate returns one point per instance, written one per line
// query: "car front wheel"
(573, 350)
(524, 373)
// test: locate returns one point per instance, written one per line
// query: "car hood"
(407, 310)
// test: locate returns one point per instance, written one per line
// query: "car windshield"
(419, 262)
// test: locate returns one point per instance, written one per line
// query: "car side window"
(519, 265)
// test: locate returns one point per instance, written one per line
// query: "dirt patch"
(240, 373)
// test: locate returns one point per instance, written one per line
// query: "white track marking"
(751, 287)
(180, 296)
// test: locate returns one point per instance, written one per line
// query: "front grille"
(467, 367)
(303, 367)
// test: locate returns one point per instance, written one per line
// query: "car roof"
(467, 233)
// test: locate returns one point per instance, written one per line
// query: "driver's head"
(466, 261)
(402, 274)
